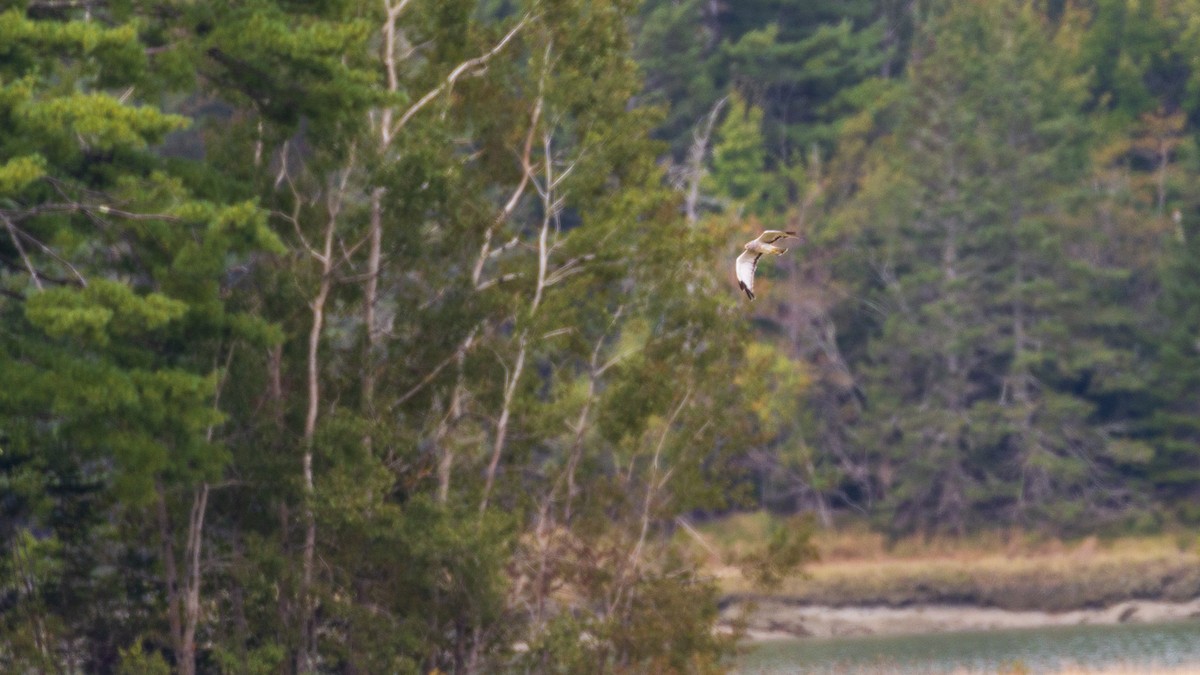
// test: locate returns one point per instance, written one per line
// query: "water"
(1028, 650)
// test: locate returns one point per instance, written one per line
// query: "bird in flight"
(747, 262)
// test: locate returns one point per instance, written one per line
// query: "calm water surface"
(1039, 650)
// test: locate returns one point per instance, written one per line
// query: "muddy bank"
(775, 618)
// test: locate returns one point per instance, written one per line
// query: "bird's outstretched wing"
(772, 236)
(745, 266)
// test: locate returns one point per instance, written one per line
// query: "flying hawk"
(747, 262)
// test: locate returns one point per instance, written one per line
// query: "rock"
(1127, 614)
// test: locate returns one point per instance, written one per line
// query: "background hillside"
(997, 312)
(402, 336)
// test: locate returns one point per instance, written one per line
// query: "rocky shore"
(767, 617)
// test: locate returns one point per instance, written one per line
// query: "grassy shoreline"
(1010, 571)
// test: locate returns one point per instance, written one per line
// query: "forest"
(403, 336)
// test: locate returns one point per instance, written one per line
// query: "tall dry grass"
(1009, 570)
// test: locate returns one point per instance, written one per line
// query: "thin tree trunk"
(307, 656)
(823, 513)
(514, 377)
(237, 597)
(695, 161)
(543, 251)
(595, 371)
(275, 381)
(185, 665)
(1020, 386)
(183, 591)
(577, 445)
(371, 298)
(446, 461)
(1020, 394)
(951, 501)
(628, 569)
(510, 391)
(24, 569)
(186, 655)
(310, 426)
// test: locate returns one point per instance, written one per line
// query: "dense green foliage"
(369, 356)
(998, 306)
(399, 336)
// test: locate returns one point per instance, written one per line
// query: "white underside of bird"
(747, 262)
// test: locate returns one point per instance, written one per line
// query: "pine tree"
(115, 332)
(971, 374)
(1172, 466)
(739, 174)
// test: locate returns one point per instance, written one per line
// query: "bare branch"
(498, 280)
(570, 168)
(569, 268)
(47, 250)
(297, 202)
(284, 173)
(51, 252)
(73, 207)
(348, 253)
(511, 206)
(16, 240)
(54, 5)
(508, 245)
(394, 11)
(549, 210)
(653, 485)
(294, 219)
(615, 360)
(458, 353)
(699, 538)
(457, 73)
(695, 165)
(543, 261)
(580, 427)
(558, 331)
(389, 64)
